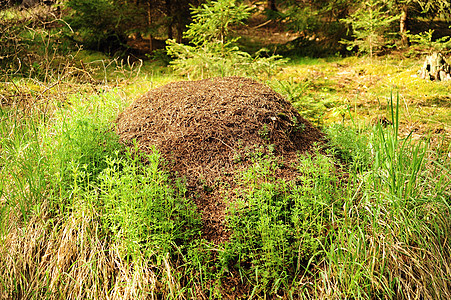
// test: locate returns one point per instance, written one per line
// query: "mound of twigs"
(206, 128)
(209, 130)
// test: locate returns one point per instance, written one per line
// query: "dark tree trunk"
(403, 26)
(271, 4)
(149, 15)
(179, 32)
(170, 19)
(181, 15)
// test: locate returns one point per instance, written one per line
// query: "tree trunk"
(179, 32)
(403, 23)
(170, 19)
(435, 67)
(149, 20)
(271, 5)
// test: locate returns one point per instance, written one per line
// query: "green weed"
(397, 162)
(141, 209)
(279, 226)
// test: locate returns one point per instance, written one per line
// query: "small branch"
(263, 24)
(224, 143)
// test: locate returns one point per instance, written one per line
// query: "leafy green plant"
(425, 40)
(351, 146)
(369, 24)
(78, 145)
(142, 211)
(214, 53)
(278, 226)
(304, 98)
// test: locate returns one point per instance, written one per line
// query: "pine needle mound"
(207, 128)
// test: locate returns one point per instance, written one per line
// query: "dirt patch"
(206, 130)
(264, 32)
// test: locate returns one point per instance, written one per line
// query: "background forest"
(365, 213)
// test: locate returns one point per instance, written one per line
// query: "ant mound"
(208, 130)
(206, 127)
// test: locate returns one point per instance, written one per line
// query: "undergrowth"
(71, 180)
(278, 227)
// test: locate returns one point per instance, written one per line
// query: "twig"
(223, 143)
(263, 24)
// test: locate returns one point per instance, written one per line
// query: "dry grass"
(68, 258)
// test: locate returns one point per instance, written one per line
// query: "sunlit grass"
(329, 92)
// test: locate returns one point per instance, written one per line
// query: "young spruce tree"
(213, 52)
(369, 24)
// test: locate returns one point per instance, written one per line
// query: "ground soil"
(207, 129)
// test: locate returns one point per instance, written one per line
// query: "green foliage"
(437, 8)
(79, 159)
(299, 17)
(310, 105)
(318, 24)
(100, 24)
(395, 214)
(369, 24)
(79, 144)
(85, 144)
(220, 60)
(139, 207)
(70, 166)
(351, 146)
(214, 53)
(278, 227)
(211, 21)
(144, 214)
(397, 162)
(426, 41)
(23, 167)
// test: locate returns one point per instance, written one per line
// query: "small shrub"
(278, 226)
(369, 25)
(214, 53)
(143, 212)
(426, 42)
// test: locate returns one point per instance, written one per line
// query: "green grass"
(325, 91)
